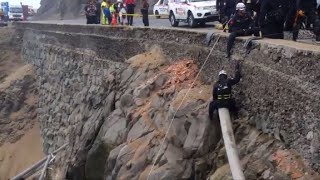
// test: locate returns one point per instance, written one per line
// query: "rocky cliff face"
(114, 107)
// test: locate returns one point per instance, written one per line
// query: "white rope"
(162, 143)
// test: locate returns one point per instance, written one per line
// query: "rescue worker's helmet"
(222, 72)
(241, 7)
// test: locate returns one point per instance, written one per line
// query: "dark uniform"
(272, 18)
(306, 10)
(144, 12)
(98, 16)
(91, 13)
(317, 24)
(222, 90)
(254, 6)
(230, 8)
(240, 25)
(291, 15)
(226, 9)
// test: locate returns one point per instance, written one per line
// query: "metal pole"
(45, 167)
(34, 168)
(230, 144)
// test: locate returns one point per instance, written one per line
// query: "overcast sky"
(34, 3)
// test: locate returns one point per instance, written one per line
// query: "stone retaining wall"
(80, 69)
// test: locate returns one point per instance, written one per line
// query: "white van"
(193, 12)
(15, 13)
(161, 8)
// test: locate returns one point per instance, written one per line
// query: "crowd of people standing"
(273, 17)
(110, 13)
(269, 17)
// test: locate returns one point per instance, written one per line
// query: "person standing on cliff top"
(130, 5)
(91, 12)
(222, 93)
(103, 18)
(98, 16)
(121, 11)
(144, 12)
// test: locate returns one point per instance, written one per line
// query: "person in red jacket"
(130, 5)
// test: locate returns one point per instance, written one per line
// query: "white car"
(15, 13)
(161, 8)
(193, 12)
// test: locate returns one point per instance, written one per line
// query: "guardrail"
(42, 164)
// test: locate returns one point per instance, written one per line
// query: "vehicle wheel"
(173, 21)
(191, 22)
(157, 15)
(202, 24)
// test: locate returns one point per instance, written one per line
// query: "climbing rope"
(162, 143)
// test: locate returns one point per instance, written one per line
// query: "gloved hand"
(300, 13)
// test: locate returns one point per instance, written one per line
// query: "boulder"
(96, 160)
(139, 129)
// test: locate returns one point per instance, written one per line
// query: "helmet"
(119, 1)
(222, 72)
(240, 7)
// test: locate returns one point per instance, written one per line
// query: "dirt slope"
(20, 142)
(16, 157)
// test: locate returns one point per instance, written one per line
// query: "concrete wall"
(280, 87)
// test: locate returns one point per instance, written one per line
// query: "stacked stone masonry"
(87, 92)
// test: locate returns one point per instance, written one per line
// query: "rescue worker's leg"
(291, 16)
(89, 20)
(233, 108)
(212, 114)
(97, 21)
(131, 12)
(103, 19)
(313, 18)
(279, 29)
(231, 39)
(296, 27)
(145, 19)
(109, 19)
(316, 28)
(310, 17)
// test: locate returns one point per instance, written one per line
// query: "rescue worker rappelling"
(222, 93)
(240, 25)
(272, 18)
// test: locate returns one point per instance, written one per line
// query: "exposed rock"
(138, 130)
(223, 173)
(89, 94)
(96, 160)
(126, 100)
